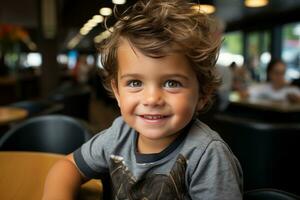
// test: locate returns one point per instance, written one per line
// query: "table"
(266, 111)
(22, 176)
(283, 107)
(266, 105)
(11, 114)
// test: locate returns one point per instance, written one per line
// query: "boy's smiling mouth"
(154, 117)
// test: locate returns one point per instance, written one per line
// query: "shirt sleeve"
(217, 175)
(92, 157)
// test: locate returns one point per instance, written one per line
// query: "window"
(291, 49)
(232, 49)
(258, 54)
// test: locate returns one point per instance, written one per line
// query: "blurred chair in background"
(269, 194)
(53, 133)
(268, 152)
(39, 107)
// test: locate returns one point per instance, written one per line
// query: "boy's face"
(157, 96)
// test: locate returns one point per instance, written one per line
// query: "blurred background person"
(241, 79)
(276, 88)
(253, 68)
(82, 69)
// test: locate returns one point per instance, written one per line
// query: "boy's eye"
(134, 83)
(172, 84)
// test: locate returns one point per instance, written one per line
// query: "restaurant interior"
(52, 99)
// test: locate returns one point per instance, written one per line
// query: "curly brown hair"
(160, 27)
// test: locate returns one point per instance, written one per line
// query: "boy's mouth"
(153, 117)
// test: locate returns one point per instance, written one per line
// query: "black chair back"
(268, 152)
(53, 133)
(39, 107)
(269, 194)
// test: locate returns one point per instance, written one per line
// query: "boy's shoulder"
(200, 137)
(202, 134)
(203, 145)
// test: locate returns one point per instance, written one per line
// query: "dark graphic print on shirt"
(153, 187)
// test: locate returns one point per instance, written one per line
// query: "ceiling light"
(105, 11)
(91, 23)
(88, 26)
(256, 3)
(74, 41)
(204, 8)
(119, 2)
(103, 35)
(98, 18)
(84, 30)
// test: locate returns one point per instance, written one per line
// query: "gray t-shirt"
(197, 165)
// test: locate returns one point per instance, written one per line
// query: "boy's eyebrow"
(135, 75)
(130, 75)
(176, 76)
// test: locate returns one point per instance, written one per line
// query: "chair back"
(269, 194)
(39, 107)
(268, 152)
(52, 133)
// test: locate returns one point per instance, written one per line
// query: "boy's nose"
(153, 97)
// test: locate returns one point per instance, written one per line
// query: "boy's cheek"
(126, 101)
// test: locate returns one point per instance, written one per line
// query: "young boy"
(159, 63)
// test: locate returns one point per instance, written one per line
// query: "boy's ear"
(114, 87)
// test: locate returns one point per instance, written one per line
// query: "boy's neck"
(148, 146)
